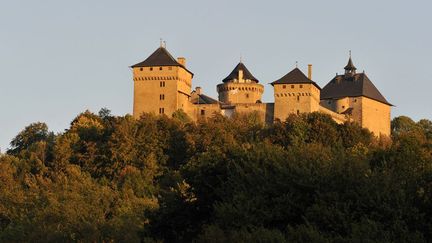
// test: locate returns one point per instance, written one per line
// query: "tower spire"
(350, 69)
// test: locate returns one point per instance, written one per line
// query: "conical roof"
(235, 73)
(350, 65)
(160, 57)
(357, 85)
(296, 76)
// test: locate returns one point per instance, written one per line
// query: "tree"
(31, 134)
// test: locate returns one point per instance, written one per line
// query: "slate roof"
(357, 85)
(204, 99)
(350, 65)
(160, 57)
(296, 76)
(234, 74)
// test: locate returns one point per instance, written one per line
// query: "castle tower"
(162, 84)
(354, 95)
(350, 69)
(240, 87)
(295, 93)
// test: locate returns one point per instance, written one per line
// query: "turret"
(240, 86)
(350, 69)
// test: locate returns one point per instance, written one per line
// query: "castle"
(163, 85)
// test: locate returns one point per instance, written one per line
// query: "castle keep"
(163, 85)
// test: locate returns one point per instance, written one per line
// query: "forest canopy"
(168, 179)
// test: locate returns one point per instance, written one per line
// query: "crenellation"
(162, 85)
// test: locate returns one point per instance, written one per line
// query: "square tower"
(295, 93)
(353, 94)
(162, 85)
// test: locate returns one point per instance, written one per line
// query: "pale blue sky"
(59, 58)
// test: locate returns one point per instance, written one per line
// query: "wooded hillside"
(160, 179)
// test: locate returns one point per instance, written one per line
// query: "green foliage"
(158, 179)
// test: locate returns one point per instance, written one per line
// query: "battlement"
(162, 85)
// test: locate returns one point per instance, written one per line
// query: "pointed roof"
(350, 65)
(357, 85)
(296, 76)
(234, 74)
(160, 57)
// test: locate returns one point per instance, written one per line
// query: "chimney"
(240, 76)
(182, 61)
(198, 90)
(310, 71)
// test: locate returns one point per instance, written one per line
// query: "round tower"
(240, 86)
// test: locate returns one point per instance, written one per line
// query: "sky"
(60, 58)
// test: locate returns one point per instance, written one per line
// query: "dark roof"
(160, 57)
(204, 99)
(296, 76)
(350, 65)
(357, 85)
(234, 74)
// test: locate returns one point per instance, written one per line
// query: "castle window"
(301, 86)
(247, 95)
(151, 69)
(161, 110)
(283, 86)
(161, 97)
(298, 112)
(292, 86)
(141, 69)
(160, 68)
(343, 107)
(202, 112)
(298, 98)
(162, 84)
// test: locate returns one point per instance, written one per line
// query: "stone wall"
(160, 89)
(295, 99)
